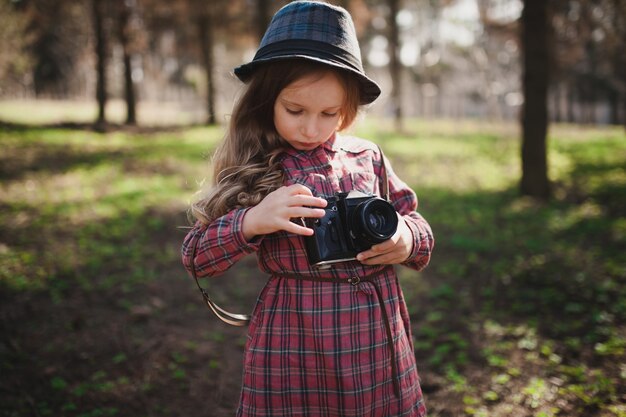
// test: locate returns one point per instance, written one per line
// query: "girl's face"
(308, 111)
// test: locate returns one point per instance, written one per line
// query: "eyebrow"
(291, 103)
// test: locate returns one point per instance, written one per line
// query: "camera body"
(353, 222)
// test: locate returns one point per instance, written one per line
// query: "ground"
(520, 313)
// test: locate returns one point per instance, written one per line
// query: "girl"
(322, 341)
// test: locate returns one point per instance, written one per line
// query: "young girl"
(322, 341)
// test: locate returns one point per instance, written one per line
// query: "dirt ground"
(152, 348)
(154, 351)
(158, 351)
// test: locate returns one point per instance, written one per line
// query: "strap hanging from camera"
(233, 319)
(384, 181)
(239, 320)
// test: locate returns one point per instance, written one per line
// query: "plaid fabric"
(321, 348)
(313, 21)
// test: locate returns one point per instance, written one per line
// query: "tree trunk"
(101, 57)
(619, 23)
(129, 87)
(262, 17)
(205, 31)
(535, 35)
(394, 64)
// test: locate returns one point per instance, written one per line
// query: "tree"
(14, 61)
(205, 23)
(395, 67)
(101, 61)
(125, 31)
(588, 59)
(534, 36)
(262, 17)
(57, 34)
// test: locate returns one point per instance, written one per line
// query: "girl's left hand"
(393, 251)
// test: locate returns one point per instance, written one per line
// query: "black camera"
(353, 222)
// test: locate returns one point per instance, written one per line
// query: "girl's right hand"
(276, 210)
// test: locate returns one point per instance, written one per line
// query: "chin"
(305, 146)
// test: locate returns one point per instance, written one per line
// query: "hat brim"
(370, 91)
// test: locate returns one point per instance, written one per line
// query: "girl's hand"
(393, 251)
(276, 210)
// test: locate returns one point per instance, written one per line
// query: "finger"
(304, 200)
(303, 196)
(305, 212)
(299, 189)
(370, 253)
(387, 258)
(292, 227)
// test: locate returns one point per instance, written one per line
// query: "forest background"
(507, 117)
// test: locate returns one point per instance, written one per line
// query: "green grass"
(38, 112)
(85, 194)
(522, 307)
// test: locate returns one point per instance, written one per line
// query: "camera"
(353, 222)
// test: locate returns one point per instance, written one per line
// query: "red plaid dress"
(315, 348)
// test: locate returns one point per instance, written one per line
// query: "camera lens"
(375, 220)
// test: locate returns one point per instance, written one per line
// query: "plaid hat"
(316, 31)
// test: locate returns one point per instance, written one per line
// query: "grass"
(39, 112)
(87, 194)
(521, 311)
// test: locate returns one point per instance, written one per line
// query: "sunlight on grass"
(59, 111)
(461, 156)
(84, 194)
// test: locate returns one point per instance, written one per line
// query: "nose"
(309, 128)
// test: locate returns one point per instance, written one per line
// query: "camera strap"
(384, 181)
(240, 320)
(233, 319)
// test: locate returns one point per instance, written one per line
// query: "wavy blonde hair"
(245, 165)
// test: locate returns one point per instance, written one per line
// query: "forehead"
(321, 87)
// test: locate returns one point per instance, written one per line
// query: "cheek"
(284, 125)
(331, 125)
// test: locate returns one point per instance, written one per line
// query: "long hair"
(245, 165)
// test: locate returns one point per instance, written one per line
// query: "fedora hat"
(315, 31)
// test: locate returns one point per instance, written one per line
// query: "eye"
(325, 114)
(294, 112)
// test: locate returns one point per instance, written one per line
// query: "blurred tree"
(618, 62)
(395, 67)
(205, 21)
(183, 38)
(535, 34)
(128, 37)
(496, 52)
(263, 17)
(14, 61)
(101, 61)
(588, 61)
(59, 35)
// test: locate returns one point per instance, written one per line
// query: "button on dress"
(319, 346)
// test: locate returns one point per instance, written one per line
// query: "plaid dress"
(316, 348)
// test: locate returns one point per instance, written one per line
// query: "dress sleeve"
(212, 249)
(404, 201)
